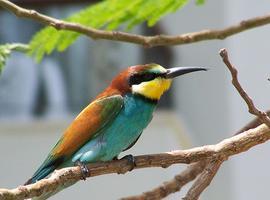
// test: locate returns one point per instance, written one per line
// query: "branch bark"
(252, 124)
(147, 41)
(204, 179)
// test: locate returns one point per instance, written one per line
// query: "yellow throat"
(152, 89)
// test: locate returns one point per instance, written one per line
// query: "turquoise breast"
(135, 115)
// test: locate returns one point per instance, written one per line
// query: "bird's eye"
(134, 80)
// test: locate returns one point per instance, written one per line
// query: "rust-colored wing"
(94, 117)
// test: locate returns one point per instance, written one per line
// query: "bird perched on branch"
(114, 121)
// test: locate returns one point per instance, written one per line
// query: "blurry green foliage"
(200, 2)
(109, 15)
(6, 49)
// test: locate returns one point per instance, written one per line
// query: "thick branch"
(147, 41)
(66, 176)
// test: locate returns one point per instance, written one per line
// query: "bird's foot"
(131, 161)
(115, 158)
(84, 170)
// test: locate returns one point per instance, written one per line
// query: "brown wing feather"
(94, 117)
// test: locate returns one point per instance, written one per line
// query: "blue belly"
(120, 134)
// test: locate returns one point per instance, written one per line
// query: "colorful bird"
(114, 121)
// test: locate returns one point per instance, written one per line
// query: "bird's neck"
(138, 105)
(144, 98)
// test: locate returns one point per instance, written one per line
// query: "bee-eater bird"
(114, 121)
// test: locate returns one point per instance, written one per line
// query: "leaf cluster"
(108, 15)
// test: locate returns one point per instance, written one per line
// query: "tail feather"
(40, 175)
(45, 169)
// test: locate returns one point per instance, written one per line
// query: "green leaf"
(200, 2)
(108, 15)
(6, 49)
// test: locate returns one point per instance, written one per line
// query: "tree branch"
(252, 124)
(68, 176)
(147, 41)
(204, 179)
(251, 107)
(174, 185)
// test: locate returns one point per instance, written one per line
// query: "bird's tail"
(49, 165)
(40, 174)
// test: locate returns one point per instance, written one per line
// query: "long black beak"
(177, 71)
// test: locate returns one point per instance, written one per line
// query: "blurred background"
(38, 101)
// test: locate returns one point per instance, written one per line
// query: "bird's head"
(150, 80)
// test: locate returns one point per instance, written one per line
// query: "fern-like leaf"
(109, 15)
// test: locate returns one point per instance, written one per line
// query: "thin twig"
(66, 176)
(203, 180)
(20, 47)
(174, 185)
(252, 124)
(251, 107)
(147, 41)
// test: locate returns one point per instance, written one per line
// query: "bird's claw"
(131, 161)
(84, 170)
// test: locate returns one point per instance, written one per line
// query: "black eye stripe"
(139, 78)
(148, 77)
